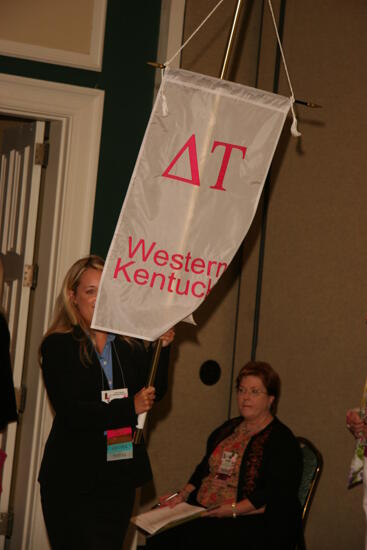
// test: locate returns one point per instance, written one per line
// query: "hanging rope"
(294, 129)
(166, 63)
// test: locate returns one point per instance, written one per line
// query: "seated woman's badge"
(227, 464)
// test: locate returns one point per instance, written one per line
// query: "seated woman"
(248, 479)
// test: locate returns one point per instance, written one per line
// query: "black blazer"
(75, 451)
(8, 408)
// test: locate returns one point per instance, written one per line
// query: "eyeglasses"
(254, 392)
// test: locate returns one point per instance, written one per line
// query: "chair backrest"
(312, 467)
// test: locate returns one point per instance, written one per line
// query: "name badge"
(227, 464)
(119, 441)
(110, 395)
(119, 444)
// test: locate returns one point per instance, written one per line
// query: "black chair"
(312, 467)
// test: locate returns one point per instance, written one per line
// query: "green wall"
(131, 40)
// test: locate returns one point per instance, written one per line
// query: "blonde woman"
(96, 385)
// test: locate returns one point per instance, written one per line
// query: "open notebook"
(162, 518)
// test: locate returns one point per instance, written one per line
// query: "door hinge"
(30, 276)
(6, 524)
(42, 153)
(20, 398)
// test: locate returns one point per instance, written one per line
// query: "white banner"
(191, 199)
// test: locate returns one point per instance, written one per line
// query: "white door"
(20, 178)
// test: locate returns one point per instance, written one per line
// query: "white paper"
(156, 519)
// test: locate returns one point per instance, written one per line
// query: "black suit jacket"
(8, 409)
(75, 451)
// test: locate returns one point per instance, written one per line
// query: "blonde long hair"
(66, 314)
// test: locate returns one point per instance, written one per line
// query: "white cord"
(294, 130)
(166, 63)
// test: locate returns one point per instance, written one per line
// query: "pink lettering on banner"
(191, 146)
(198, 266)
(185, 291)
(156, 276)
(195, 178)
(141, 244)
(171, 278)
(122, 268)
(194, 287)
(227, 153)
(141, 276)
(168, 282)
(161, 257)
(187, 258)
(176, 261)
(220, 265)
(210, 264)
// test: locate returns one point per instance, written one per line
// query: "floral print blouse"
(224, 464)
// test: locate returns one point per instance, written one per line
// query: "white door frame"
(66, 226)
(80, 111)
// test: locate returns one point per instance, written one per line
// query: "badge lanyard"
(120, 367)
